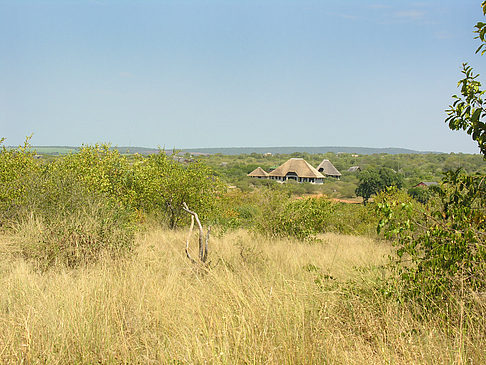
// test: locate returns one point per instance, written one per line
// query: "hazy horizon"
(195, 149)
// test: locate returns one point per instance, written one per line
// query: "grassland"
(263, 302)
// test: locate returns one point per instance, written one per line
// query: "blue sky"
(228, 73)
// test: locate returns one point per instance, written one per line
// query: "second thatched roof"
(328, 169)
(299, 166)
(354, 169)
(258, 172)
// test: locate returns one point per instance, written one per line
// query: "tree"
(162, 185)
(469, 110)
(369, 184)
(420, 193)
(441, 247)
(373, 181)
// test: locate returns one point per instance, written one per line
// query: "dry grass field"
(263, 302)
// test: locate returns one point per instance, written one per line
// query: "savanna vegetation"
(411, 169)
(93, 267)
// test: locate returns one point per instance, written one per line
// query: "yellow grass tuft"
(263, 302)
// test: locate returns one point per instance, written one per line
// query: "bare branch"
(203, 247)
(205, 257)
(187, 240)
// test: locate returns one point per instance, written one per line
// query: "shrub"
(100, 169)
(77, 237)
(423, 194)
(161, 185)
(77, 206)
(441, 247)
(373, 181)
(281, 216)
(64, 222)
(355, 219)
(17, 168)
(68, 211)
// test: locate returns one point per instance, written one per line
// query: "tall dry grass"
(263, 302)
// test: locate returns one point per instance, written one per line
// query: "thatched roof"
(299, 166)
(354, 169)
(427, 183)
(258, 172)
(327, 168)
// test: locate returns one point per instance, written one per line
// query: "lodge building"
(299, 170)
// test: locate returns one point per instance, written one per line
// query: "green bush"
(17, 168)
(275, 212)
(63, 220)
(281, 216)
(441, 247)
(161, 185)
(76, 207)
(354, 219)
(75, 237)
(100, 169)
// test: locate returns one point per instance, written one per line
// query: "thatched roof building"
(327, 168)
(426, 183)
(297, 169)
(259, 173)
(354, 169)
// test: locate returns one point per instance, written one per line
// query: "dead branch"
(187, 240)
(206, 245)
(203, 244)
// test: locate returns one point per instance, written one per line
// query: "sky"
(235, 73)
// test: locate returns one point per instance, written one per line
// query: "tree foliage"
(73, 208)
(469, 110)
(419, 193)
(16, 167)
(161, 185)
(281, 216)
(373, 181)
(441, 246)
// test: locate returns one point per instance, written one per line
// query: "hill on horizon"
(59, 150)
(292, 149)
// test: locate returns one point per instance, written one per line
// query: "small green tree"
(373, 181)
(441, 247)
(281, 216)
(161, 185)
(468, 110)
(369, 184)
(421, 194)
(17, 167)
